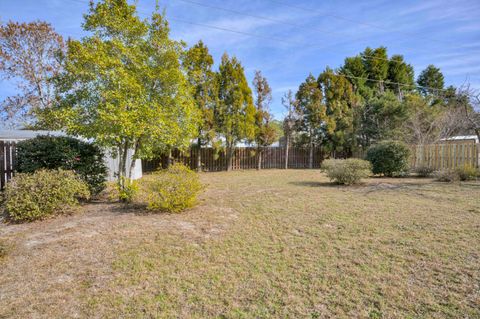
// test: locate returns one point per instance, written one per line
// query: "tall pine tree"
(235, 114)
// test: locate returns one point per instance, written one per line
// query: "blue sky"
(312, 35)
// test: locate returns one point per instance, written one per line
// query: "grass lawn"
(269, 244)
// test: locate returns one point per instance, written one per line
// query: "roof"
(19, 135)
(462, 138)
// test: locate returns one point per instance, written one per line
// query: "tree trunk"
(199, 155)
(287, 142)
(230, 151)
(259, 158)
(310, 157)
(132, 162)
(169, 158)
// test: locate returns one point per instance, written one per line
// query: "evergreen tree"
(314, 121)
(265, 133)
(198, 65)
(339, 101)
(376, 65)
(431, 81)
(235, 114)
(400, 72)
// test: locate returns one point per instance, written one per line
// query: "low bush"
(447, 175)
(424, 171)
(349, 171)
(128, 192)
(389, 158)
(171, 190)
(53, 152)
(32, 196)
(467, 173)
(3, 250)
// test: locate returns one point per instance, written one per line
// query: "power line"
(295, 25)
(290, 42)
(338, 17)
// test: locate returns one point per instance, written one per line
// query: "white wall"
(112, 165)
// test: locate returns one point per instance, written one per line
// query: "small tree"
(30, 54)
(123, 85)
(314, 120)
(235, 114)
(290, 121)
(265, 133)
(198, 65)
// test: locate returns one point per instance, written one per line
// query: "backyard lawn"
(269, 244)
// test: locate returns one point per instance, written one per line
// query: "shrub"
(348, 172)
(389, 158)
(129, 190)
(53, 152)
(424, 171)
(171, 190)
(448, 176)
(467, 173)
(32, 196)
(3, 250)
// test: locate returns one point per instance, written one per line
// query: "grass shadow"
(317, 184)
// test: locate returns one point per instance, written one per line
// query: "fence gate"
(7, 162)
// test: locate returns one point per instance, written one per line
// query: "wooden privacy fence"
(244, 158)
(445, 156)
(7, 162)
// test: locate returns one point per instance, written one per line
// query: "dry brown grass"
(270, 244)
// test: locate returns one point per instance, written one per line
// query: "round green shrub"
(389, 158)
(347, 171)
(38, 195)
(171, 190)
(52, 152)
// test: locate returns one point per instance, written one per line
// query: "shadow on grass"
(318, 184)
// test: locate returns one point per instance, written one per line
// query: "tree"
(431, 81)
(314, 121)
(424, 123)
(354, 70)
(123, 85)
(376, 65)
(198, 65)
(382, 117)
(290, 121)
(30, 53)
(235, 114)
(265, 133)
(340, 101)
(400, 72)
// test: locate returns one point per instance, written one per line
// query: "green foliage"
(123, 84)
(198, 63)
(424, 171)
(340, 101)
(467, 173)
(309, 103)
(235, 114)
(389, 158)
(172, 190)
(347, 171)
(127, 189)
(38, 195)
(52, 152)
(431, 79)
(265, 133)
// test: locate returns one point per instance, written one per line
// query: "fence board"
(445, 156)
(7, 162)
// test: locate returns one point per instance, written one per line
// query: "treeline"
(374, 97)
(129, 86)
